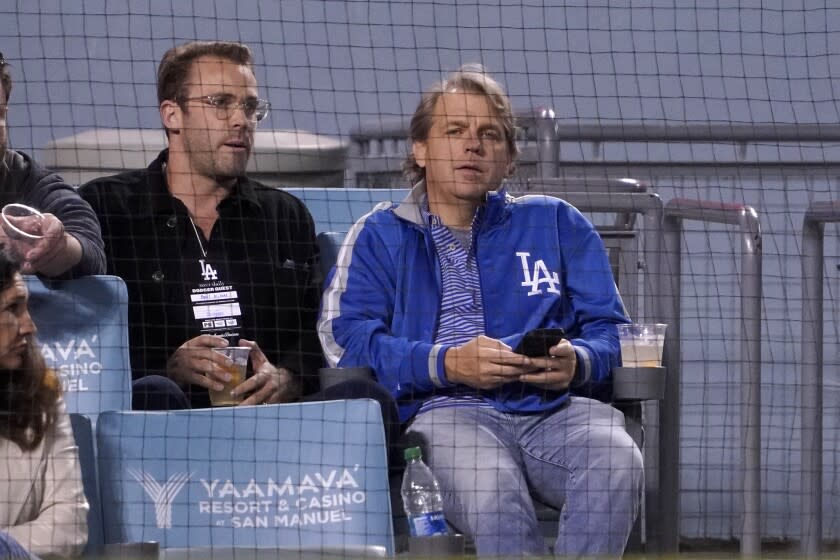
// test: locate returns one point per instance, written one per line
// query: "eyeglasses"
(2, 61)
(255, 109)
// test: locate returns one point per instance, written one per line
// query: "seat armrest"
(333, 376)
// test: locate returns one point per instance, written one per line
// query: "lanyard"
(198, 238)
(192, 223)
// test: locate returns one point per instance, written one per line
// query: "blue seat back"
(83, 434)
(335, 210)
(83, 331)
(296, 476)
(329, 244)
(338, 209)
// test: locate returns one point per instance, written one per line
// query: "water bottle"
(421, 497)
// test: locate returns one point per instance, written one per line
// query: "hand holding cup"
(238, 356)
(37, 241)
(22, 228)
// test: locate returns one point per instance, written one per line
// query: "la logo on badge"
(207, 271)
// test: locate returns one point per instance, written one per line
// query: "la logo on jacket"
(539, 275)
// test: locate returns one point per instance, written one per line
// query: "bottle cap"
(411, 453)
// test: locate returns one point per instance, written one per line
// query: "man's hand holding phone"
(552, 357)
(484, 363)
(543, 358)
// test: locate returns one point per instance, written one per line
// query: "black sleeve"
(52, 195)
(145, 359)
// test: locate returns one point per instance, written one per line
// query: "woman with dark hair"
(42, 503)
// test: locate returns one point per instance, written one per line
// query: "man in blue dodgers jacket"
(434, 293)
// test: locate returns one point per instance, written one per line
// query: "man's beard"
(229, 170)
(210, 163)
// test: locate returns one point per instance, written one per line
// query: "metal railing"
(746, 218)
(748, 158)
(378, 147)
(700, 132)
(816, 217)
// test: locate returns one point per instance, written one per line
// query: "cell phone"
(536, 343)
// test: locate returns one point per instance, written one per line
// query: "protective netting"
(727, 102)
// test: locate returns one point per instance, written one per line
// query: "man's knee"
(626, 453)
(637, 474)
(625, 465)
(484, 486)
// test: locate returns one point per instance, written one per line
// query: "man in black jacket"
(212, 258)
(71, 242)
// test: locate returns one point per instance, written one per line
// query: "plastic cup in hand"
(239, 356)
(22, 226)
(642, 344)
(22, 222)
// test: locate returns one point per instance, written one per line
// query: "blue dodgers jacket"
(540, 263)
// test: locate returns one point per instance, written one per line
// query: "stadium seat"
(308, 477)
(83, 332)
(337, 209)
(329, 244)
(83, 434)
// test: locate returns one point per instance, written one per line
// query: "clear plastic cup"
(642, 344)
(22, 222)
(239, 355)
(22, 227)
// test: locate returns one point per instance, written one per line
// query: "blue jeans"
(10, 548)
(578, 458)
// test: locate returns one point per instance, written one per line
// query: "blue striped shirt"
(462, 306)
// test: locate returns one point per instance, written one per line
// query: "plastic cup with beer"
(239, 357)
(642, 344)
